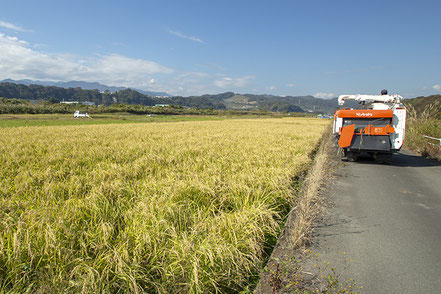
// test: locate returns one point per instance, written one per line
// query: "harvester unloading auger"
(377, 127)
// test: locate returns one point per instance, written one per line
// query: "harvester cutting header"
(377, 127)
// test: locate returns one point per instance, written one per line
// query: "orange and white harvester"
(377, 128)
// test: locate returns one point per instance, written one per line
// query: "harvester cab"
(377, 127)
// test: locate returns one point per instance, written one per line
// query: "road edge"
(298, 229)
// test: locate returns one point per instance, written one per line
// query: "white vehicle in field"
(77, 113)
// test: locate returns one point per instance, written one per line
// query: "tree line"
(20, 106)
(58, 94)
(55, 95)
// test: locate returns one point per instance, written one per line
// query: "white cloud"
(271, 88)
(184, 36)
(291, 85)
(123, 70)
(189, 83)
(228, 82)
(11, 26)
(324, 95)
(437, 87)
(19, 61)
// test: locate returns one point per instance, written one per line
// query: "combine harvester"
(376, 127)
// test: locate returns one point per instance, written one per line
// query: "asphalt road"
(387, 219)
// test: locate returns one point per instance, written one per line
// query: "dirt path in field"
(380, 232)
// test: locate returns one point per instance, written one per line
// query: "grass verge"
(284, 272)
(424, 123)
(415, 140)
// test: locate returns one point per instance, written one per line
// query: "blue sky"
(321, 48)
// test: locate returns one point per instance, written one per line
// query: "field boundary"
(298, 229)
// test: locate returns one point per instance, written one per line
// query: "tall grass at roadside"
(424, 123)
(183, 207)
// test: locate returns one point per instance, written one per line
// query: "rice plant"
(183, 207)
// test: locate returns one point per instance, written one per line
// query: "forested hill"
(431, 103)
(57, 94)
(228, 100)
(128, 96)
(267, 102)
(81, 84)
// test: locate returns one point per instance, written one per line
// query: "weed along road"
(387, 220)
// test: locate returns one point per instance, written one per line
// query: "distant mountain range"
(273, 103)
(96, 93)
(82, 85)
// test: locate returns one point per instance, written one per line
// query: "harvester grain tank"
(376, 127)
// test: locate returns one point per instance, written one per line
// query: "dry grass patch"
(284, 272)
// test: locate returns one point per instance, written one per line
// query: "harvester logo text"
(363, 114)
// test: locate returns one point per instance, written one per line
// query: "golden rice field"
(181, 207)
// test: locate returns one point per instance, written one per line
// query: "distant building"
(77, 102)
(161, 105)
(69, 102)
(323, 116)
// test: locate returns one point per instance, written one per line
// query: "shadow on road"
(404, 159)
